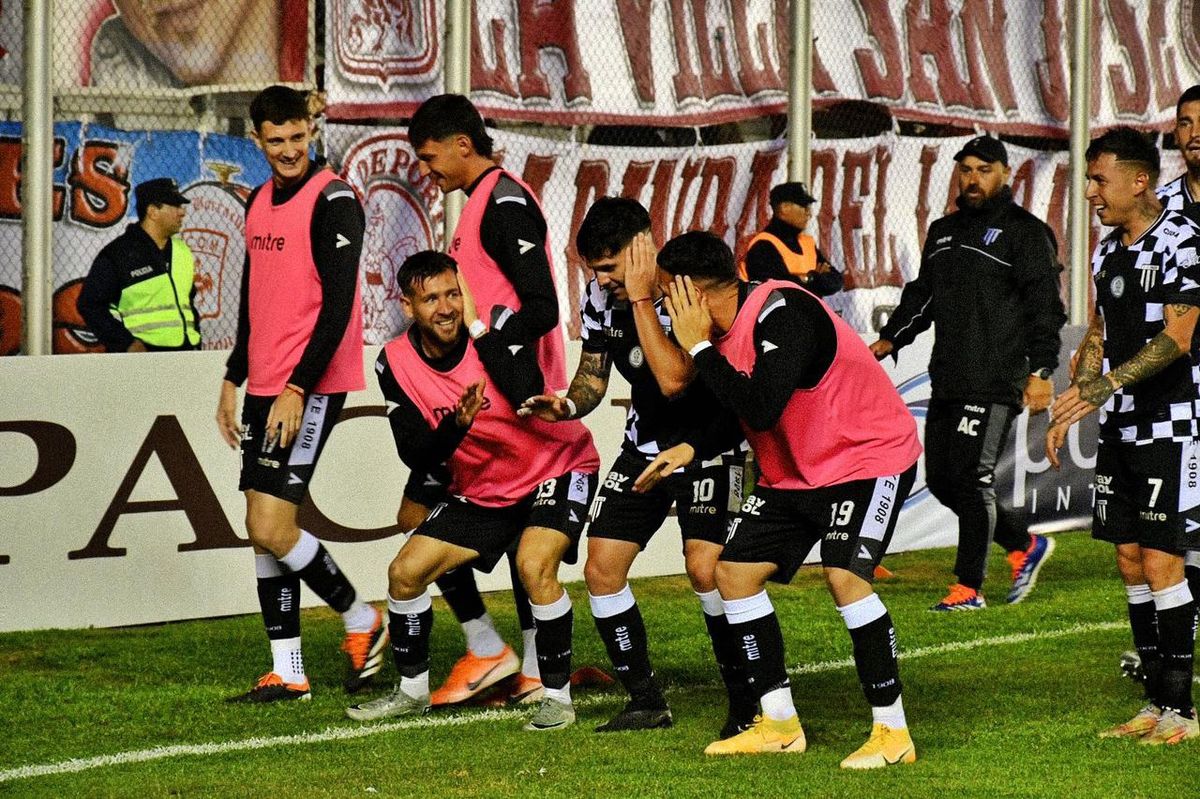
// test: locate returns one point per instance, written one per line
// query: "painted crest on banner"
(215, 230)
(1189, 30)
(386, 41)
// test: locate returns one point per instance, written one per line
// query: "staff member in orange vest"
(140, 293)
(783, 251)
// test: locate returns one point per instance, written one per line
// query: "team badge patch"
(636, 357)
(991, 234)
(1117, 287)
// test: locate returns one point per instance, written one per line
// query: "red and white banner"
(997, 64)
(876, 199)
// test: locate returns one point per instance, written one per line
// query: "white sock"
(777, 705)
(892, 715)
(560, 694)
(266, 566)
(360, 618)
(482, 638)
(529, 666)
(288, 660)
(302, 553)
(416, 687)
(1172, 597)
(710, 603)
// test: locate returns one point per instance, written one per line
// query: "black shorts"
(429, 487)
(1148, 494)
(705, 496)
(560, 503)
(285, 472)
(852, 521)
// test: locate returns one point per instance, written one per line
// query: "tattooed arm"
(587, 389)
(1089, 363)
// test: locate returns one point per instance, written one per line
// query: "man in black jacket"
(989, 282)
(783, 251)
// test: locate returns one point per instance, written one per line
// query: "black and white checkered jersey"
(653, 422)
(1176, 196)
(1133, 286)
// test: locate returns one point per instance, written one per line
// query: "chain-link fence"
(679, 105)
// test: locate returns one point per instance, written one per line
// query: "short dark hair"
(419, 267)
(1130, 146)
(698, 253)
(449, 115)
(1190, 95)
(277, 105)
(609, 226)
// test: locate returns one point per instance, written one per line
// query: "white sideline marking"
(351, 733)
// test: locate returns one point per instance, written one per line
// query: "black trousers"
(963, 442)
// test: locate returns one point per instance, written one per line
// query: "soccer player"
(299, 346)
(989, 287)
(501, 246)
(1180, 194)
(624, 324)
(1138, 363)
(451, 400)
(837, 450)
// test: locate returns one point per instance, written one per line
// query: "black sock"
(554, 649)
(1177, 641)
(741, 702)
(624, 637)
(279, 599)
(324, 577)
(461, 593)
(520, 596)
(1143, 624)
(875, 660)
(410, 641)
(759, 644)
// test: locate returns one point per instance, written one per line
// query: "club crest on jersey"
(1117, 286)
(636, 357)
(991, 234)
(1149, 275)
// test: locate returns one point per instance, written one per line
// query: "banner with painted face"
(96, 169)
(998, 64)
(876, 198)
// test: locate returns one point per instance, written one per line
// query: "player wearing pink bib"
(452, 400)
(502, 248)
(837, 450)
(299, 347)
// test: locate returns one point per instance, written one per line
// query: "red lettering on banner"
(983, 35)
(824, 171)
(927, 160)
(99, 185)
(634, 17)
(546, 25)
(591, 182)
(193, 495)
(930, 36)
(690, 170)
(636, 175)
(686, 81)
(1162, 59)
(1022, 185)
(1056, 211)
(10, 177)
(499, 78)
(1128, 99)
(881, 29)
(756, 207)
(718, 173)
(754, 80)
(660, 198)
(854, 165)
(537, 172)
(885, 271)
(1052, 72)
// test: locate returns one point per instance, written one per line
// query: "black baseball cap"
(985, 148)
(791, 193)
(160, 191)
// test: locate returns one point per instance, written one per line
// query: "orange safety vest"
(797, 263)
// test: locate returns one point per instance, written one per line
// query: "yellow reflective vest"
(158, 310)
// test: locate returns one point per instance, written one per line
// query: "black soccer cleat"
(638, 717)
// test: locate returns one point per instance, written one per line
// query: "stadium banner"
(119, 501)
(95, 171)
(999, 64)
(875, 199)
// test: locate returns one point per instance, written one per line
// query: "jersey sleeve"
(420, 446)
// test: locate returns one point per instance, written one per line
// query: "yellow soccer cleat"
(887, 746)
(765, 735)
(1140, 725)
(1173, 728)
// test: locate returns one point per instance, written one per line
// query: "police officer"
(140, 293)
(783, 251)
(989, 284)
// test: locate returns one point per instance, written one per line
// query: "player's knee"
(403, 582)
(701, 573)
(266, 531)
(728, 579)
(539, 576)
(601, 578)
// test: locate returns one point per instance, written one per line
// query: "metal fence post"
(1081, 113)
(458, 81)
(37, 180)
(799, 127)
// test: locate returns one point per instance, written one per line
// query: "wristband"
(640, 299)
(572, 410)
(299, 391)
(477, 328)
